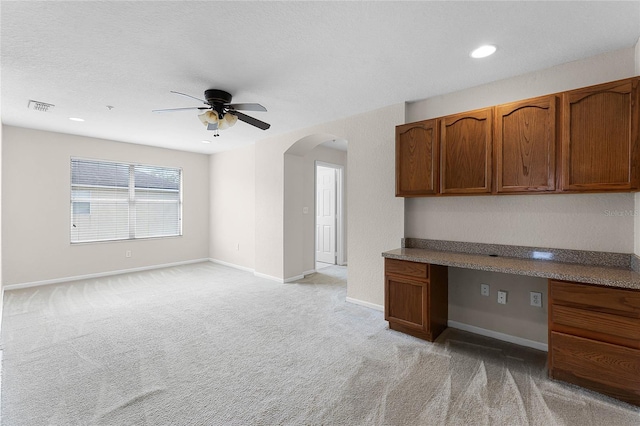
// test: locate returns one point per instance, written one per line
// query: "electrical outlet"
(536, 298)
(502, 297)
(238, 247)
(484, 289)
(127, 253)
(305, 210)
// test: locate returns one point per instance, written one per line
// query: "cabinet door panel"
(525, 145)
(465, 153)
(416, 158)
(406, 302)
(600, 137)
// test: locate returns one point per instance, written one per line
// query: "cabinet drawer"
(409, 269)
(597, 325)
(603, 367)
(592, 297)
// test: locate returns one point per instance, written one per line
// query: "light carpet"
(205, 344)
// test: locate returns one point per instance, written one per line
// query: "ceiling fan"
(219, 112)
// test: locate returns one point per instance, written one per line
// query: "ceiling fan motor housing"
(217, 99)
(215, 96)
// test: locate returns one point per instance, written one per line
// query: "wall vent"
(39, 106)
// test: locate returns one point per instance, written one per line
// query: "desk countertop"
(602, 275)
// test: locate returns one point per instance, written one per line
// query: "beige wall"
(562, 221)
(35, 208)
(375, 217)
(232, 206)
(637, 224)
(577, 221)
(517, 318)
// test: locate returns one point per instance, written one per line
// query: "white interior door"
(325, 214)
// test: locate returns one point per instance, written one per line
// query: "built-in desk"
(589, 274)
(594, 305)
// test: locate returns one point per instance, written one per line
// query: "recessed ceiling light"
(483, 51)
(75, 119)
(206, 141)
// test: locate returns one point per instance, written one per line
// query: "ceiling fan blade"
(189, 96)
(178, 109)
(247, 107)
(250, 120)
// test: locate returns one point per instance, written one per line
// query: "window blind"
(118, 201)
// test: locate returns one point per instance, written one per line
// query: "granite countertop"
(589, 274)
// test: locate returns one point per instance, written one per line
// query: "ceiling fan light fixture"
(222, 124)
(230, 119)
(208, 117)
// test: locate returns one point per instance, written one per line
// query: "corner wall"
(36, 208)
(232, 205)
(375, 217)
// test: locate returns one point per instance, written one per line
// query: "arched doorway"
(300, 200)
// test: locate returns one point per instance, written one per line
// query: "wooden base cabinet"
(416, 298)
(594, 338)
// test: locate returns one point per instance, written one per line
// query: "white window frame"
(132, 201)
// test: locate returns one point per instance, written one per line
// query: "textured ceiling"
(307, 62)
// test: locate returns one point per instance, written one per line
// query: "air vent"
(40, 106)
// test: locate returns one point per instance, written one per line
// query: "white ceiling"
(308, 63)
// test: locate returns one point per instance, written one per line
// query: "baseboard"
(292, 279)
(366, 304)
(499, 336)
(268, 277)
(99, 275)
(231, 265)
(285, 280)
(1, 306)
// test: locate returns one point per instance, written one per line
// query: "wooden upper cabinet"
(417, 159)
(465, 152)
(600, 137)
(525, 145)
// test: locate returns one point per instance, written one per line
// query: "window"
(117, 201)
